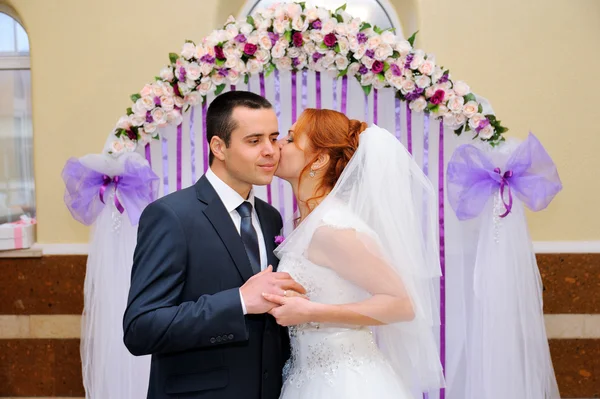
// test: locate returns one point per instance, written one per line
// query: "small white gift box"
(17, 235)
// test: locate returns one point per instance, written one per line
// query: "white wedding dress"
(335, 361)
(373, 237)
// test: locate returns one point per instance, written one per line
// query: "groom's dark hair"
(219, 121)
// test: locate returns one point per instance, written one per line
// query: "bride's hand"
(292, 310)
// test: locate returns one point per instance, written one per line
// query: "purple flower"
(219, 53)
(396, 70)
(131, 135)
(409, 60)
(316, 56)
(240, 38)
(209, 59)
(362, 38)
(416, 93)
(279, 239)
(295, 62)
(363, 69)
(149, 118)
(181, 74)
(223, 72)
(250, 49)
(274, 37)
(156, 100)
(377, 67)
(370, 53)
(330, 40)
(297, 39)
(444, 78)
(317, 24)
(482, 125)
(438, 97)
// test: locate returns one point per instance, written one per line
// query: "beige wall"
(535, 60)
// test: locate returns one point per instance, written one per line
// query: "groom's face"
(253, 155)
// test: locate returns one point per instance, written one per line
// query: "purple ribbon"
(232, 88)
(148, 154)
(442, 252)
(165, 164)
(426, 144)
(408, 128)
(204, 135)
(304, 89)
(530, 174)
(366, 107)
(397, 117)
(263, 92)
(277, 82)
(344, 94)
(334, 90)
(318, 88)
(193, 144)
(179, 150)
(375, 101)
(85, 188)
(294, 97)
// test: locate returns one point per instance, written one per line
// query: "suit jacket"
(184, 305)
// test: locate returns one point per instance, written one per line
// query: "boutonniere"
(279, 239)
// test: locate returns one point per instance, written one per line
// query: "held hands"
(268, 282)
(291, 310)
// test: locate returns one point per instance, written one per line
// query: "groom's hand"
(269, 282)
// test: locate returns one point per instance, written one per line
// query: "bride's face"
(293, 158)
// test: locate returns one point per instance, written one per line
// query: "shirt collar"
(230, 198)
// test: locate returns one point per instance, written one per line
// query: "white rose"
(344, 46)
(230, 51)
(159, 116)
(150, 127)
(368, 62)
(192, 99)
(407, 86)
(360, 52)
(166, 74)
(328, 59)
(117, 146)
(280, 26)
(316, 36)
(124, 123)
(309, 47)
(246, 28)
(225, 36)
(423, 81)
(233, 76)
(218, 79)
(212, 40)
(456, 103)
(353, 68)
(450, 120)
(461, 88)
(174, 117)
(437, 74)
(284, 63)
(184, 88)
(145, 138)
(265, 24)
(279, 11)
(329, 26)
(206, 68)
(293, 10)
(130, 146)
(324, 14)
(188, 51)
(233, 30)
(475, 120)
(241, 67)
(418, 59)
(341, 29)
(147, 102)
(262, 56)
(138, 108)
(487, 132)
(378, 83)
(254, 67)
(441, 110)
(137, 120)
(470, 109)
(311, 14)
(231, 62)
(268, 12)
(374, 42)
(264, 41)
(200, 51)
(427, 67)
(193, 71)
(167, 103)
(158, 90)
(383, 52)
(206, 86)
(430, 91)
(367, 79)
(294, 52)
(395, 81)
(146, 91)
(388, 37)
(279, 49)
(341, 62)
(419, 104)
(299, 24)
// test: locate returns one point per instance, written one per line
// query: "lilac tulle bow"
(85, 190)
(472, 179)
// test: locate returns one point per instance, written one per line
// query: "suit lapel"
(268, 232)
(221, 220)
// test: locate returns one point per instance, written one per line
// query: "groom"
(202, 261)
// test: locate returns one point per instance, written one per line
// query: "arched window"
(17, 188)
(376, 12)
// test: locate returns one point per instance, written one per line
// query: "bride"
(365, 249)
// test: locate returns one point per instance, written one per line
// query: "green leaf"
(433, 107)
(470, 97)
(246, 79)
(337, 48)
(135, 97)
(396, 54)
(173, 57)
(250, 20)
(303, 5)
(269, 69)
(411, 39)
(458, 131)
(386, 66)
(119, 132)
(377, 30)
(364, 26)
(288, 36)
(219, 89)
(491, 118)
(157, 78)
(220, 62)
(190, 41)
(343, 73)
(467, 128)
(339, 18)
(381, 77)
(341, 8)
(367, 89)
(129, 111)
(480, 108)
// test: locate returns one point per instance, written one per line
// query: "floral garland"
(293, 37)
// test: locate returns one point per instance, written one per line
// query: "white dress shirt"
(231, 199)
